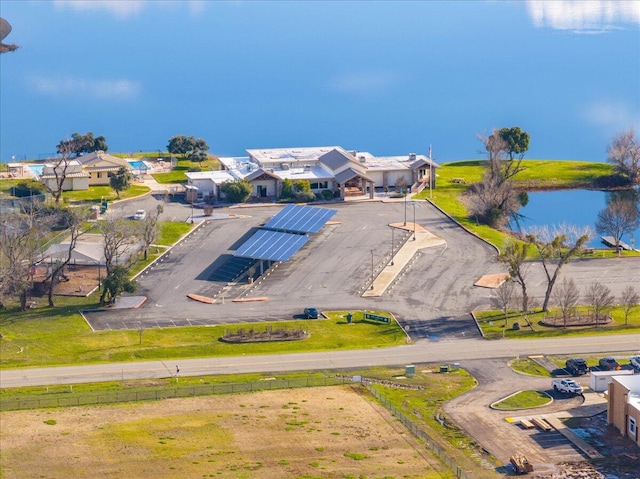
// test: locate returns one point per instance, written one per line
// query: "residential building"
(75, 178)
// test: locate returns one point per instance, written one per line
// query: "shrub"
(327, 194)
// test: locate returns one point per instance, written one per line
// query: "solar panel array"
(290, 225)
(300, 219)
(271, 245)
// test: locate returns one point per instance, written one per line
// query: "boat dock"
(611, 243)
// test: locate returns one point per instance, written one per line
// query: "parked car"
(311, 313)
(635, 362)
(140, 215)
(576, 366)
(609, 364)
(566, 386)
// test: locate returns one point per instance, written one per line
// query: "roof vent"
(362, 159)
(412, 156)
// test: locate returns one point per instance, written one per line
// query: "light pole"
(414, 220)
(371, 269)
(191, 210)
(405, 207)
(393, 253)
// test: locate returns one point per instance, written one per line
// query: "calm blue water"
(385, 77)
(576, 207)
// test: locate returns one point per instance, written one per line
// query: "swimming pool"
(36, 169)
(139, 165)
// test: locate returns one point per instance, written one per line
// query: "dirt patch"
(576, 321)
(331, 432)
(77, 280)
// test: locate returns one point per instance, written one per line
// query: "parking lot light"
(414, 220)
(371, 269)
(393, 252)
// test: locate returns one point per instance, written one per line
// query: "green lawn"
(177, 174)
(55, 336)
(492, 324)
(523, 400)
(454, 178)
(529, 366)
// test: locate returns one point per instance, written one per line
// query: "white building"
(345, 173)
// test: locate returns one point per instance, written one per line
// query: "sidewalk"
(388, 274)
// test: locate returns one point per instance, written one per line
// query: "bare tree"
(74, 221)
(620, 217)
(504, 298)
(21, 237)
(567, 296)
(599, 299)
(59, 170)
(624, 153)
(495, 199)
(629, 300)
(514, 255)
(149, 229)
(556, 248)
(118, 237)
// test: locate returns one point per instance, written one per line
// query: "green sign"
(376, 317)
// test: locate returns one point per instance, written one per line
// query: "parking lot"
(433, 295)
(331, 272)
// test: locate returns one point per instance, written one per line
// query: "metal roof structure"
(300, 219)
(271, 245)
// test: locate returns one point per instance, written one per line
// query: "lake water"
(577, 207)
(385, 77)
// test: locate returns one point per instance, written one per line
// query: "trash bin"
(456, 366)
(410, 370)
(444, 369)
(516, 326)
(349, 318)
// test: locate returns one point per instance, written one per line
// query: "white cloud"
(612, 115)
(118, 8)
(584, 16)
(363, 83)
(61, 86)
(128, 8)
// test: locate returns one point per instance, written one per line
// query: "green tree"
(79, 144)
(194, 149)
(121, 180)
(116, 282)
(516, 141)
(237, 191)
(287, 189)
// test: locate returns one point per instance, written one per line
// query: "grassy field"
(55, 336)
(454, 178)
(492, 324)
(177, 174)
(305, 433)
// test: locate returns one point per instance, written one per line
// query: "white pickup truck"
(566, 386)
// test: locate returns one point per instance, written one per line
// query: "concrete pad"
(492, 280)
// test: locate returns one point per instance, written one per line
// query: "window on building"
(99, 174)
(321, 185)
(632, 427)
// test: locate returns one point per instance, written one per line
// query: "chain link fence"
(419, 433)
(70, 398)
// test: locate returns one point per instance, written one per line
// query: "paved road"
(462, 350)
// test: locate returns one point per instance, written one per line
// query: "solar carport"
(284, 234)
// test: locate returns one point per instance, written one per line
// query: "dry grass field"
(327, 432)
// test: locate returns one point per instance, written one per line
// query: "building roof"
(631, 382)
(336, 158)
(349, 173)
(90, 159)
(215, 176)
